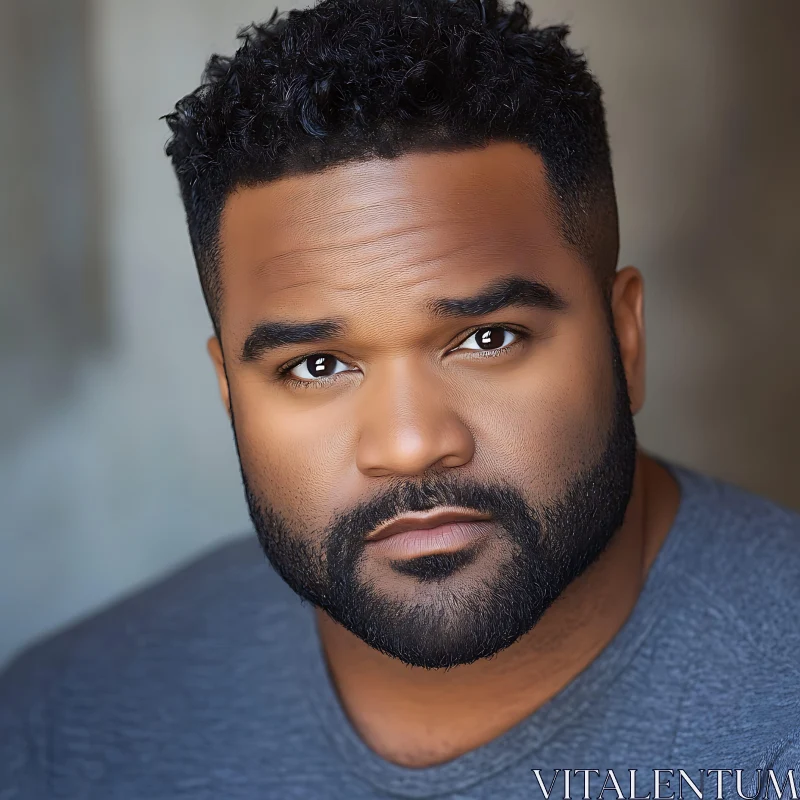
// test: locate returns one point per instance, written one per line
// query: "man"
(404, 221)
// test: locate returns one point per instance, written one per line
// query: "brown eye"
(491, 338)
(319, 365)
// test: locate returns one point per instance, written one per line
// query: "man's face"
(409, 335)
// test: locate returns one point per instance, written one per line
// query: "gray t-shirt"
(211, 684)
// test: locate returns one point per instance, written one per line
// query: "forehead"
(421, 219)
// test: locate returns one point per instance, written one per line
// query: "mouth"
(426, 533)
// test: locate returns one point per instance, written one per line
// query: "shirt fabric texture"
(211, 683)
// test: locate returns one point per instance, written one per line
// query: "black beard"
(548, 548)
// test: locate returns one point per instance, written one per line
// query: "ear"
(215, 351)
(627, 305)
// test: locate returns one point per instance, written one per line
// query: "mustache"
(499, 499)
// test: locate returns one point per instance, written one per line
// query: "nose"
(408, 424)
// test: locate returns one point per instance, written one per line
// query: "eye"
(318, 365)
(489, 339)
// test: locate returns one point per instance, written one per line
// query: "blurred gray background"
(117, 461)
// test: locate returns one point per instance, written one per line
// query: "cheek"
(550, 419)
(290, 455)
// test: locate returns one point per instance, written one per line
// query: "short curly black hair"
(348, 80)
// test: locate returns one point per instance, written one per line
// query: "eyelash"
(285, 377)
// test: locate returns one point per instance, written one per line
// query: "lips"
(425, 521)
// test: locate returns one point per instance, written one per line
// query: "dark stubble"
(547, 548)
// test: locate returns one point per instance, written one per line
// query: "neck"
(418, 718)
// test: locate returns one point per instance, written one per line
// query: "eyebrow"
(504, 293)
(271, 335)
(511, 291)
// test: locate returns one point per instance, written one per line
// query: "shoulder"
(197, 648)
(725, 593)
(216, 604)
(739, 555)
(218, 590)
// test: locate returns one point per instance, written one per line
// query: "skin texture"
(370, 244)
